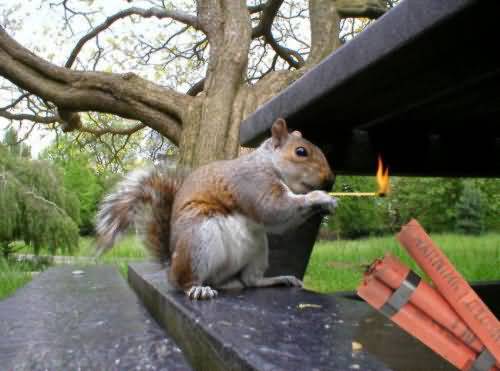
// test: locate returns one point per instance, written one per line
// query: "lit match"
(382, 181)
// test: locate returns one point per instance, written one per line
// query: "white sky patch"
(38, 139)
(42, 33)
(40, 27)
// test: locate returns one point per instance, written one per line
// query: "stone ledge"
(280, 329)
(91, 321)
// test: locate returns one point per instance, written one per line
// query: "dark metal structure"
(419, 86)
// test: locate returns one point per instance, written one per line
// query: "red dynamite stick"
(393, 272)
(418, 324)
(452, 286)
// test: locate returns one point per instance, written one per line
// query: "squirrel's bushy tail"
(144, 199)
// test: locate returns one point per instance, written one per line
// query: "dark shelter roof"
(421, 86)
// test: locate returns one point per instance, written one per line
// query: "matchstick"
(356, 194)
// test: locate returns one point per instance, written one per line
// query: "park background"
(52, 179)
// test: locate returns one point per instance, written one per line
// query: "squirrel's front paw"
(322, 200)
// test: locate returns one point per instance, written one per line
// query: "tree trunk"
(205, 137)
(206, 126)
(189, 134)
(211, 130)
(6, 250)
(325, 29)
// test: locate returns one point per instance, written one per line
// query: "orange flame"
(384, 186)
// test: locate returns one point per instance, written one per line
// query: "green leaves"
(79, 175)
(440, 205)
(469, 210)
(34, 205)
(358, 216)
(430, 200)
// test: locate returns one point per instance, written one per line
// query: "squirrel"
(211, 225)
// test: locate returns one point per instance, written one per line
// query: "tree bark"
(325, 29)
(207, 135)
(125, 95)
(361, 8)
(205, 122)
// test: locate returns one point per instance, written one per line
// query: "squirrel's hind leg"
(253, 274)
(198, 254)
(201, 292)
(182, 275)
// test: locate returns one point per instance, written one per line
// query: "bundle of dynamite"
(448, 317)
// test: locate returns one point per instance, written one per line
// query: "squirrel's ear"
(297, 134)
(279, 132)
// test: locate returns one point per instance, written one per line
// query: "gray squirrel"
(211, 225)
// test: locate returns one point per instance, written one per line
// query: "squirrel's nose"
(328, 183)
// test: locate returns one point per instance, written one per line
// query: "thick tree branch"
(269, 11)
(188, 19)
(264, 28)
(292, 57)
(210, 15)
(361, 8)
(228, 27)
(196, 88)
(125, 95)
(33, 118)
(118, 131)
(80, 127)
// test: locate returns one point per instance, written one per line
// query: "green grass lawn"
(127, 250)
(14, 275)
(334, 266)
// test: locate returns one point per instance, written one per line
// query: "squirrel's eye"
(301, 151)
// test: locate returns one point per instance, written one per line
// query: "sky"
(45, 35)
(39, 27)
(40, 36)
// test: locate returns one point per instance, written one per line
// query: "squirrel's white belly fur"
(234, 241)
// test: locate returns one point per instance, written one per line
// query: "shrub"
(469, 213)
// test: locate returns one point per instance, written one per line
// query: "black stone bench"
(63, 321)
(284, 329)
(90, 321)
